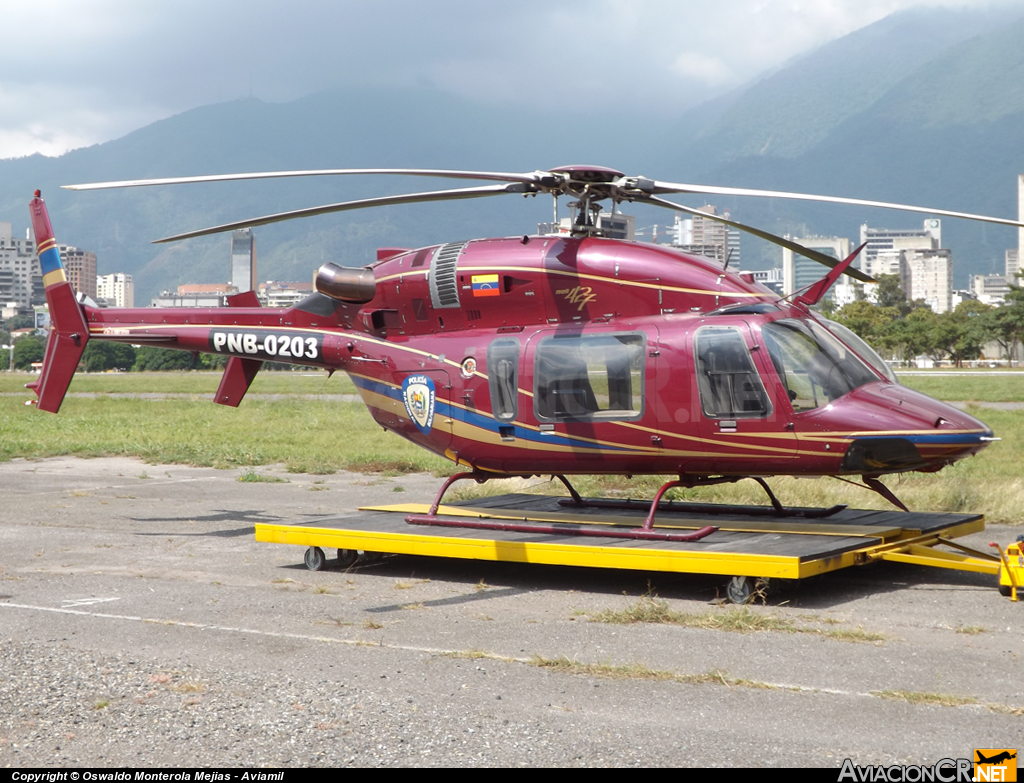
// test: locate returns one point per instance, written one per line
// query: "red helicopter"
(562, 355)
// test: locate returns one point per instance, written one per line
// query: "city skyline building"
(799, 272)
(706, 237)
(80, 267)
(887, 240)
(21, 278)
(931, 277)
(243, 260)
(281, 294)
(116, 290)
(990, 289)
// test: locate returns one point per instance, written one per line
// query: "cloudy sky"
(77, 72)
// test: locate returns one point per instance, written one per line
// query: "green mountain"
(947, 131)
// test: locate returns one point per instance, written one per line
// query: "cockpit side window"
(503, 377)
(729, 385)
(812, 364)
(598, 376)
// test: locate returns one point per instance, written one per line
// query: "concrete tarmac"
(143, 625)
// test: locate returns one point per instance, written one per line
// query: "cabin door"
(745, 428)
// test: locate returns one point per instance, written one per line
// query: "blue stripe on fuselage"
(938, 439)
(483, 421)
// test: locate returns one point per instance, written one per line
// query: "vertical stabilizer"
(69, 331)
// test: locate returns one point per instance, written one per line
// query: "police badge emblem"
(418, 396)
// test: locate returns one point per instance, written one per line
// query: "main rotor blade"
(450, 173)
(673, 187)
(814, 255)
(383, 201)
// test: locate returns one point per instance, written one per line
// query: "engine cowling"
(346, 284)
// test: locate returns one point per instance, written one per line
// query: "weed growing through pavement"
(917, 697)
(650, 609)
(252, 477)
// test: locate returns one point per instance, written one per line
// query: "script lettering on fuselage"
(580, 295)
(268, 345)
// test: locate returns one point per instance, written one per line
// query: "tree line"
(907, 329)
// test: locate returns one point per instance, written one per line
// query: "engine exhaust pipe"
(346, 284)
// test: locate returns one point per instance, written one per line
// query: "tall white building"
(894, 240)
(931, 278)
(116, 289)
(706, 237)
(990, 289)
(21, 279)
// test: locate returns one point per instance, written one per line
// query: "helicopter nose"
(912, 431)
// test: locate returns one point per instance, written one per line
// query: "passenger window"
(503, 376)
(590, 377)
(729, 385)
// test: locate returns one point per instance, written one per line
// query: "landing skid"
(646, 531)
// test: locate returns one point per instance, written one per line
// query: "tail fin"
(69, 331)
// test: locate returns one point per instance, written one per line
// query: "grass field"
(975, 387)
(323, 436)
(190, 382)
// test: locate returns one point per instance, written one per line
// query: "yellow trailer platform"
(749, 544)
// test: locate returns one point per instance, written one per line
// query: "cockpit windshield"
(813, 365)
(866, 352)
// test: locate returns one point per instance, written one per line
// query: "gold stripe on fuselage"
(585, 276)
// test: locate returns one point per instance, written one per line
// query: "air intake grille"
(444, 284)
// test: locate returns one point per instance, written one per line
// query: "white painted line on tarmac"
(69, 603)
(250, 631)
(381, 644)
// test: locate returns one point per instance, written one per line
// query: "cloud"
(82, 71)
(708, 70)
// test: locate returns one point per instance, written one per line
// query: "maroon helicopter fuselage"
(563, 355)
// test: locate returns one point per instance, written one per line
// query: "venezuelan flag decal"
(486, 285)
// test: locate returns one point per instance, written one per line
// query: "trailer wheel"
(740, 590)
(1005, 590)
(347, 557)
(314, 558)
